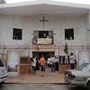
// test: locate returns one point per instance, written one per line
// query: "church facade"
(43, 33)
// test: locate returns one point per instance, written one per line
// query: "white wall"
(31, 23)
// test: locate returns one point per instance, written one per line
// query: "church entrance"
(46, 54)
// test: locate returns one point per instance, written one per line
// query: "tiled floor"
(46, 77)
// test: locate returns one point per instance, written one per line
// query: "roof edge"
(47, 2)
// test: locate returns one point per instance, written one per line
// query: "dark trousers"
(33, 69)
(42, 68)
(53, 67)
(72, 66)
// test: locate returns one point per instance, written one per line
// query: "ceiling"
(34, 8)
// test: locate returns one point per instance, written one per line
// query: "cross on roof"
(43, 20)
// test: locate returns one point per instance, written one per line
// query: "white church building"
(38, 27)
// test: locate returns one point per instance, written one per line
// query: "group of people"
(51, 62)
(42, 63)
(71, 59)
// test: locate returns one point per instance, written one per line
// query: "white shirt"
(33, 63)
(53, 59)
(72, 59)
(49, 61)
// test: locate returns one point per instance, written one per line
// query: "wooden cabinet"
(63, 67)
(24, 65)
(24, 68)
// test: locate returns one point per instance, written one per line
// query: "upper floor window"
(69, 34)
(17, 33)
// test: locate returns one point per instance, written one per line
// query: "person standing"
(72, 60)
(37, 64)
(53, 66)
(49, 62)
(42, 62)
(57, 63)
(33, 65)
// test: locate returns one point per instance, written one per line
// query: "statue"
(66, 48)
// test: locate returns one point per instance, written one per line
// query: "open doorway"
(46, 54)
